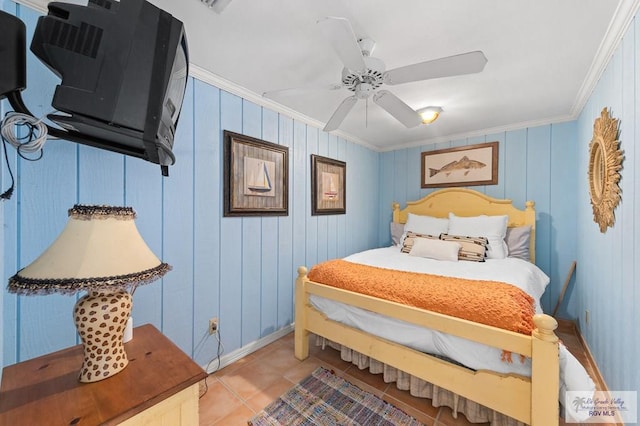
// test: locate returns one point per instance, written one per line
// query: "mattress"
(476, 356)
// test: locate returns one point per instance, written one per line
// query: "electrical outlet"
(213, 325)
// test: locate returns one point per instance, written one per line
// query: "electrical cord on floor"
(32, 142)
(219, 352)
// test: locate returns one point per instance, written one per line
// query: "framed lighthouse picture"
(328, 186)
(256, 181)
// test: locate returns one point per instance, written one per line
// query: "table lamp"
(101, 251)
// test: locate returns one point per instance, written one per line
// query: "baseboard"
(569, 326)
(602, 385)
(572, 326)
(599, 379)
(247, 349)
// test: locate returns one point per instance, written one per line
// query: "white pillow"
(426, 224)
(494, 228)
(435, 249)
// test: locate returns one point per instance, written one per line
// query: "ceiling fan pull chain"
(366, 113)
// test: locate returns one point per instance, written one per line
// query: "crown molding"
(223, 84)
(622, 18)
(39, 5)
(484, 132)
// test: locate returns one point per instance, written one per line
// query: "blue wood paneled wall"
(608, 273)
(238, 269)
(534, 164)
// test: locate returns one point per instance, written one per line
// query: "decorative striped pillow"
(409, 239)
(473, 249)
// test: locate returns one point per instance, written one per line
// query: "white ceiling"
(544, 57)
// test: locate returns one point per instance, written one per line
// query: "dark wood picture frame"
(328, 186)
(469, 165)
(256, 177)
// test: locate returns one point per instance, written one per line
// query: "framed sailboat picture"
(256, 181)
(328, 186)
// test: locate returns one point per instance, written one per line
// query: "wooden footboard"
(533, 401)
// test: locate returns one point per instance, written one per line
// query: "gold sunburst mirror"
(605, 162)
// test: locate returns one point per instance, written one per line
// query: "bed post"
(395, 207)
(544, 372)
(301, 335)
(530, 218)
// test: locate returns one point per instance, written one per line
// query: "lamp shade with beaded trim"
(101, 251)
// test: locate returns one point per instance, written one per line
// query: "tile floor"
(243, 388)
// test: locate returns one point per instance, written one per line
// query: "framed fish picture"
(469, 165)
(256, 181)
(328, 186)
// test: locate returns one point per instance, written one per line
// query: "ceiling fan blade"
(301, 90)
(344, 42)
(340, 113)
(466, 63)
(394, 106)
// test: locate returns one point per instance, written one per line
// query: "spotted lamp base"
(100, 318)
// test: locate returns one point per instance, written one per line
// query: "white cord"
(9, 131)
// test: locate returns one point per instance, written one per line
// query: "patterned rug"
(326, 399)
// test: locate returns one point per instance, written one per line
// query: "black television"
(123, 69)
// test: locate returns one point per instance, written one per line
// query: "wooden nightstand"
(159, 386)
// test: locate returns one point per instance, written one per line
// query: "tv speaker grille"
(84, 40)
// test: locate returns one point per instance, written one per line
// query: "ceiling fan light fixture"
(429, 114)
(366, 45)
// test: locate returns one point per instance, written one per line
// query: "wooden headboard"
(467, 202)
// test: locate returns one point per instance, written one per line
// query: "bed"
(516, 395)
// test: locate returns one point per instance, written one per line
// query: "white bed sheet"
(523, 274)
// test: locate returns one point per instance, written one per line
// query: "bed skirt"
(439, 397)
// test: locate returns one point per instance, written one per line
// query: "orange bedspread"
(492, 303)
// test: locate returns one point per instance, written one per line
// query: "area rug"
(324, 398)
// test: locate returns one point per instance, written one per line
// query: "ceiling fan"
(364, 74)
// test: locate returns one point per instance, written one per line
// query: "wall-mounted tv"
(124, 68)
